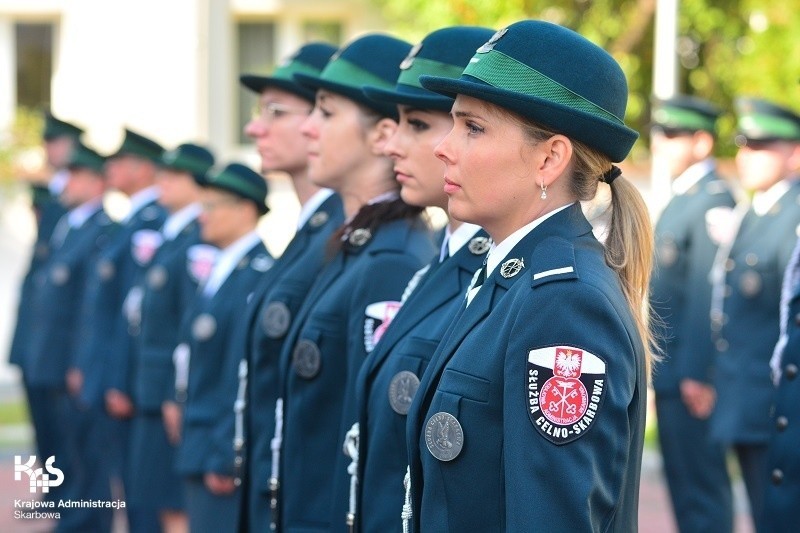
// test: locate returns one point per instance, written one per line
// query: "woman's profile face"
(337, 142)
(490, 175)
(418, 170)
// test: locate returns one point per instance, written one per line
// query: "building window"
(34, 59)
(256, 56)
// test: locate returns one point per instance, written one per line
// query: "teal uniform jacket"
(269, 316)
(169, 289)
(207, 429)
(535, 401)
(680, 289)
(385, 388)
(783, 488)
(755, 267)
(48, 211)
(58, 295)
(103, 326)
(352, 299)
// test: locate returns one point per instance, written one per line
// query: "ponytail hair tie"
(613, 173)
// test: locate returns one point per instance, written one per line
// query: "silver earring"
(544, 191)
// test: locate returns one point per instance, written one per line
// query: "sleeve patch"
(565, 388)
(378, 317)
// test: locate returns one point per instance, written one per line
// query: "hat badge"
(489, 45)
(170, 156)
(409, 60)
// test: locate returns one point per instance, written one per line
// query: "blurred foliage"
(726, 48)
(20, 148)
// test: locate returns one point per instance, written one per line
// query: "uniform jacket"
(539, 450)
(353, 297)
(680, 289)
(168, 290)
(48, 212)
(207, 432)
(383, 397)
(783, 489)
(57, 298)
(103, 354)
(268, 318)
(755, 267)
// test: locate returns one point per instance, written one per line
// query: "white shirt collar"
(78, 216)
(140, 199)
(763, 201)
(58, 182)
(692, 175)
(227, 261)
(454, 241)
(498, 252)
(178, 220)
(311, 206)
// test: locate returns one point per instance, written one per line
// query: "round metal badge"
(106, 270)
(306, 359)
(479, 245)
(750, 283)
(444, 436)
(402, 388)
(157, 277)
(668, 253)
(275, 320)
(204, 327)
(511, 268)
(261, 263)
(318, 219)
(59, 274)
(360, 236)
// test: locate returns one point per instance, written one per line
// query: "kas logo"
(38, 478)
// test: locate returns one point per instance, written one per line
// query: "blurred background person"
(747, 286)
(686, 239)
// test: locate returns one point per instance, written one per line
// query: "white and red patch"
(144, 245)
(200, 260)
(378, 317)
(565, 387)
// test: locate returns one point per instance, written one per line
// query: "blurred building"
(166, 68)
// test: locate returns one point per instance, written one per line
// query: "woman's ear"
(557, 152)
(380, 135)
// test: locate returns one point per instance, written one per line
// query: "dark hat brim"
(612, 139)
(258, 84)
(353, 93)
(421, 101)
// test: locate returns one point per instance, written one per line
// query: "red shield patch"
(565, 388)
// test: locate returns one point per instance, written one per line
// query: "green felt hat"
(760, 120)
(188, 157)
(84, 157)
(138, 145)
(444, 52)
(241, 181)
(310, 59)
(372, 60)
(55, 128)
(685, 113)
(552, 76)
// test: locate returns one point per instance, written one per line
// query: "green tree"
(726, 48)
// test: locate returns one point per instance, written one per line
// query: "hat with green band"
(372, 60)
(685, 113)
(55, 128)
(188, 157)
(552, 76)
(760, 120)
(140, 146)
(445, 53)
(84, 157)
(241, 181)
(310, 59)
